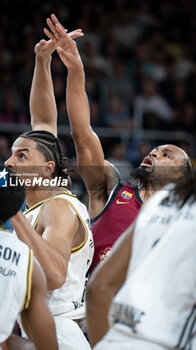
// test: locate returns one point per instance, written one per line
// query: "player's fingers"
(51, 45)
(53, 28)
(72, 44)
(43, 42)
(61, 31)
(56, 21)
(75, 34)
(62, 55)
(50, 35)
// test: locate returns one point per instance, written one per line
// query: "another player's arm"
(37, 319)
(58, 223)
(42, 100)
(104, 283)
(90, 157)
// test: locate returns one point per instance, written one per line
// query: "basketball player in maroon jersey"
(113, 204)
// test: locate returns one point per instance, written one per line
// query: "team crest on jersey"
(126, 195)
(104, 253)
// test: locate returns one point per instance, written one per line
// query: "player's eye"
(22, 156)
(166, 155)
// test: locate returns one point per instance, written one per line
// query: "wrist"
(77, 70)
(45, 60)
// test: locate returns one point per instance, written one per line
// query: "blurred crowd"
(139, 58)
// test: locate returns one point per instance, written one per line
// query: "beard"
(140, 174)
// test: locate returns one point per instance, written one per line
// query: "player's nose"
(152, 154)
(9, 163)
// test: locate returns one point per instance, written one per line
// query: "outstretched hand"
(45, 48)
(64, 43)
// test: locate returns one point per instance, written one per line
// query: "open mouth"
(147, 162)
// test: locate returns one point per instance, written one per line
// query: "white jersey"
(16, 261)
(156, 306)
(70, 298)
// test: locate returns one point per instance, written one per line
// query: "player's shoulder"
(55, 205)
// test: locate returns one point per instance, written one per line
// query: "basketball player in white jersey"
(155, 308)
(56, 225)
(23, 284)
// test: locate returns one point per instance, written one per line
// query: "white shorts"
(121, 341)
(69, 335)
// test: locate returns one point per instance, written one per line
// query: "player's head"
(39, 149)
(184, 191)
(11, 197)
(164, 164)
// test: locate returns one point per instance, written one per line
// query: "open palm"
(66, 46)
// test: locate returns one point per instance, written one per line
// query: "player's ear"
(49, 168)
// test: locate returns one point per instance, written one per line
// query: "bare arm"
(42, 100)
(89, 151)
(58, 224)
(104, 283)
(37, 320)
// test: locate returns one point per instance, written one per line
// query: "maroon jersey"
(120, 211)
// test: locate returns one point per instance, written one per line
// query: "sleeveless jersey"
(69, 299)
(119, 212)
(16, 263)
(157, 303)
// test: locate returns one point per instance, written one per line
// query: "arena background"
(140, 63)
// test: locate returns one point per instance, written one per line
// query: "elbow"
(55, 282)
(81, 136)
(77, 136)
(56, 279)
(95, 289)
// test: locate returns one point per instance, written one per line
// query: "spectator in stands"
(5, 151)
(117, 114)
(11, 111)
(151, 108)
(117, 156)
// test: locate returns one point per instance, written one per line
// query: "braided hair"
(50, 146)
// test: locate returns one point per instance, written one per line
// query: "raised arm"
(105, 281)
(42, 100)
(98, 176)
